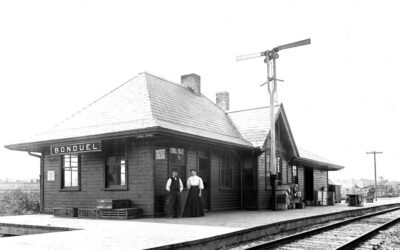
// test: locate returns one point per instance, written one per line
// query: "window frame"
(248, 172)
(295, 178)
(183, 165)
(124, 154)
(289, 174)
(62, 175)
(222, 185)
(279, 169)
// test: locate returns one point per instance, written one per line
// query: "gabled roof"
(143, 103)
(254, 126)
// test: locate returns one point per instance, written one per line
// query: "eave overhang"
(317, 164)
(139, 133)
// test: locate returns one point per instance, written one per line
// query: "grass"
(19, 202)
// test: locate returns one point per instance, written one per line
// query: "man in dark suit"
(174, 187)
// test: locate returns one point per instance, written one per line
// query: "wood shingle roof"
(144, 102)
(150, 103)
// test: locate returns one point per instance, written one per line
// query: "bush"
(17, 202)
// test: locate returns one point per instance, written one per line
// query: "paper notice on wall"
(50, 175)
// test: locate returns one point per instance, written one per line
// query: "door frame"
(308, 184)
(206, 160)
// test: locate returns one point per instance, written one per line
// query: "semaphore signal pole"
(272, 55)
(376, 188)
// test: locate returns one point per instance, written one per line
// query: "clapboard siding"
(320, 179)
(284, 171)
(140, 180)
(264, 195)
(300, 172)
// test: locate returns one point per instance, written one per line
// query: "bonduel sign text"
(76, 148)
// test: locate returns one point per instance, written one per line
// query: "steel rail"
(298, 236)
(368, 235)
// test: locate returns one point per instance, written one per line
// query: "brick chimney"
(192, 82)
(223, 100)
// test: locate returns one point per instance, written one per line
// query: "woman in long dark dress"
(194, 203)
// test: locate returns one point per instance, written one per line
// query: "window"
(116, 165)
(177, 162)
(159, 154)
(295, 174)
(177, 156)
(225, 171)
(70, 172)
(279, 169)
(116, 171)
(289, 173)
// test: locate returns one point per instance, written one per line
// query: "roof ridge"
(249, 109)
(163, 78)
(153, 116)
(92, 103)
(199, 128)
(227, 116)
(172, 82)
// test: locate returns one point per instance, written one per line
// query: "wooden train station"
(124, 146)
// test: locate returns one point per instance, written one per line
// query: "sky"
(340, 93)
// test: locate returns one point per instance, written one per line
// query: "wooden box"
(331, 198)
(281, 202)
(112, 204)
(88, 213)
(65, 212)
(122, 213)
(300, 205)
(356, 200)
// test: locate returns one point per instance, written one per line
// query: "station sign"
(76, 148)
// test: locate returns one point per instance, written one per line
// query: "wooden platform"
(214, 228)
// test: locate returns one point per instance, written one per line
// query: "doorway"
(204, 173)
(309, 184)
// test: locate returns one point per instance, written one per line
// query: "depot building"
(125, 145)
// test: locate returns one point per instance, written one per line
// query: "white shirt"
(168, 186)
(195, 181)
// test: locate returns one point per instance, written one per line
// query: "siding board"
(140, 180)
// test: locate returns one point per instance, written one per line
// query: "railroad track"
(346, 234)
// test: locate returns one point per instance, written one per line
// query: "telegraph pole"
(376, 188)
(272, 55)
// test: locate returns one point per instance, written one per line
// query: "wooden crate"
(122, 213)
(331, 198)
(356, 200)
(300, 205)
(88, 213)
(112, 204)
(65, 212)
(281, 202)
